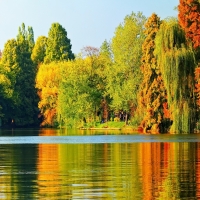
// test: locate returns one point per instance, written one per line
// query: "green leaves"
(124, 77)
(176, 62)
(58, 45)
(39, 50)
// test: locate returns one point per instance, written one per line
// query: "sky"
(87, 22)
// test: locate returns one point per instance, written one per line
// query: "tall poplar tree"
(58, 45)
(176, 62)
(25, 110)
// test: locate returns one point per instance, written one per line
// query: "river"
(58, 164)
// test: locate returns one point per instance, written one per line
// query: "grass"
(109, 125)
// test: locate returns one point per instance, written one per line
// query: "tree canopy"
(58, 45)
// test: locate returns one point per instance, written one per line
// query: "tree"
(82, 93)
(10, 69)
(5, 91)
(176, 62)
(30, 38)
(26, 111)
(39, 50)
(22, 106)
(58, 45)
(152, 93)
(96, 78)
(105, 50)
(47, 83)
(75, 103)
(125, 76)
(189, 19)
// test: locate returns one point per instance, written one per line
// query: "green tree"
(74, 101)
(58, 45)
(30, 38)
(177, 63)
(5, 90)
(82, 88)
(39, 50)
(124, 77)
(105, 50)
(25, 108)
(10, 69)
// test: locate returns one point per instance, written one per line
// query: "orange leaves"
(189, 19)
(197, 85)
(166, 111)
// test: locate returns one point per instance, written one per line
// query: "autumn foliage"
(197, 77)
(189, 19)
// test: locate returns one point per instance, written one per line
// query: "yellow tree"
(47, 82)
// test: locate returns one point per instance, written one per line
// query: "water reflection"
(100, 171)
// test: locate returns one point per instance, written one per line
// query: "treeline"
(148, 74)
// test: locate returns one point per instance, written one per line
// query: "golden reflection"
(48, 170)
(101, 171)
(118, 171)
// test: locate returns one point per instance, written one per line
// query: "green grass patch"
(110, 125)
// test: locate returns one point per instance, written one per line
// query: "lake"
(57, 164)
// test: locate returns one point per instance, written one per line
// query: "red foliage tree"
(189, 19)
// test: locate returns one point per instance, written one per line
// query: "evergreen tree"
(152, 91)
(58, 45)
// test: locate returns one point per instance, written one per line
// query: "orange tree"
(152, 93)
(189, 19)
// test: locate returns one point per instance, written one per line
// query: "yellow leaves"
(47, 82)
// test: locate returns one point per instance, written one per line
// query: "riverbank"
(111, 126)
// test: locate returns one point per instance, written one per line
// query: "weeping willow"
(177, 63)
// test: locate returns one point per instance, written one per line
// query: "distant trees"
(149, 72)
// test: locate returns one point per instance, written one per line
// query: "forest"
(147, 75)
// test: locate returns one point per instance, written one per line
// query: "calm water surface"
(54, 164)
